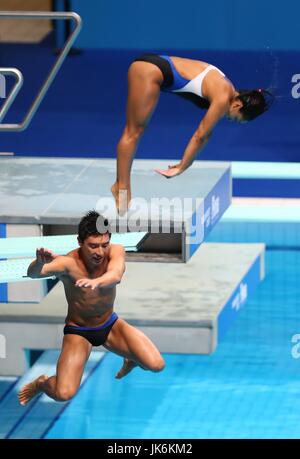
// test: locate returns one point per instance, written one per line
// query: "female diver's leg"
(144, 81)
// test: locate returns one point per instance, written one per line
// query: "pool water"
(249, 388)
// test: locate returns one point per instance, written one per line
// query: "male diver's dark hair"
(255, 102)
(93, 224)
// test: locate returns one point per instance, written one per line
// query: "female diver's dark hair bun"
(255, 102)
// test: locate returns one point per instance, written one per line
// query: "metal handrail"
(55, 68)
(14, 91)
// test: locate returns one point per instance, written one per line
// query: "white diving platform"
(177, 213)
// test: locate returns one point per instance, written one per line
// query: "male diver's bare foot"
(128, 365)
(122, 198)
(30, 390)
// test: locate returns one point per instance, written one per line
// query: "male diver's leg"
(136, 348)
(64, 385)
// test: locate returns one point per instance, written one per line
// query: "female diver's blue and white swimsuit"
(175, 83)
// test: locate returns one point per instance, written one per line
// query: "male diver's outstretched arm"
(47, 264)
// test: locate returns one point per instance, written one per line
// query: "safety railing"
(17, 127)
(14, 91)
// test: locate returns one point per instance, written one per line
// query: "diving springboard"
(15, 269)
(19, 247)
